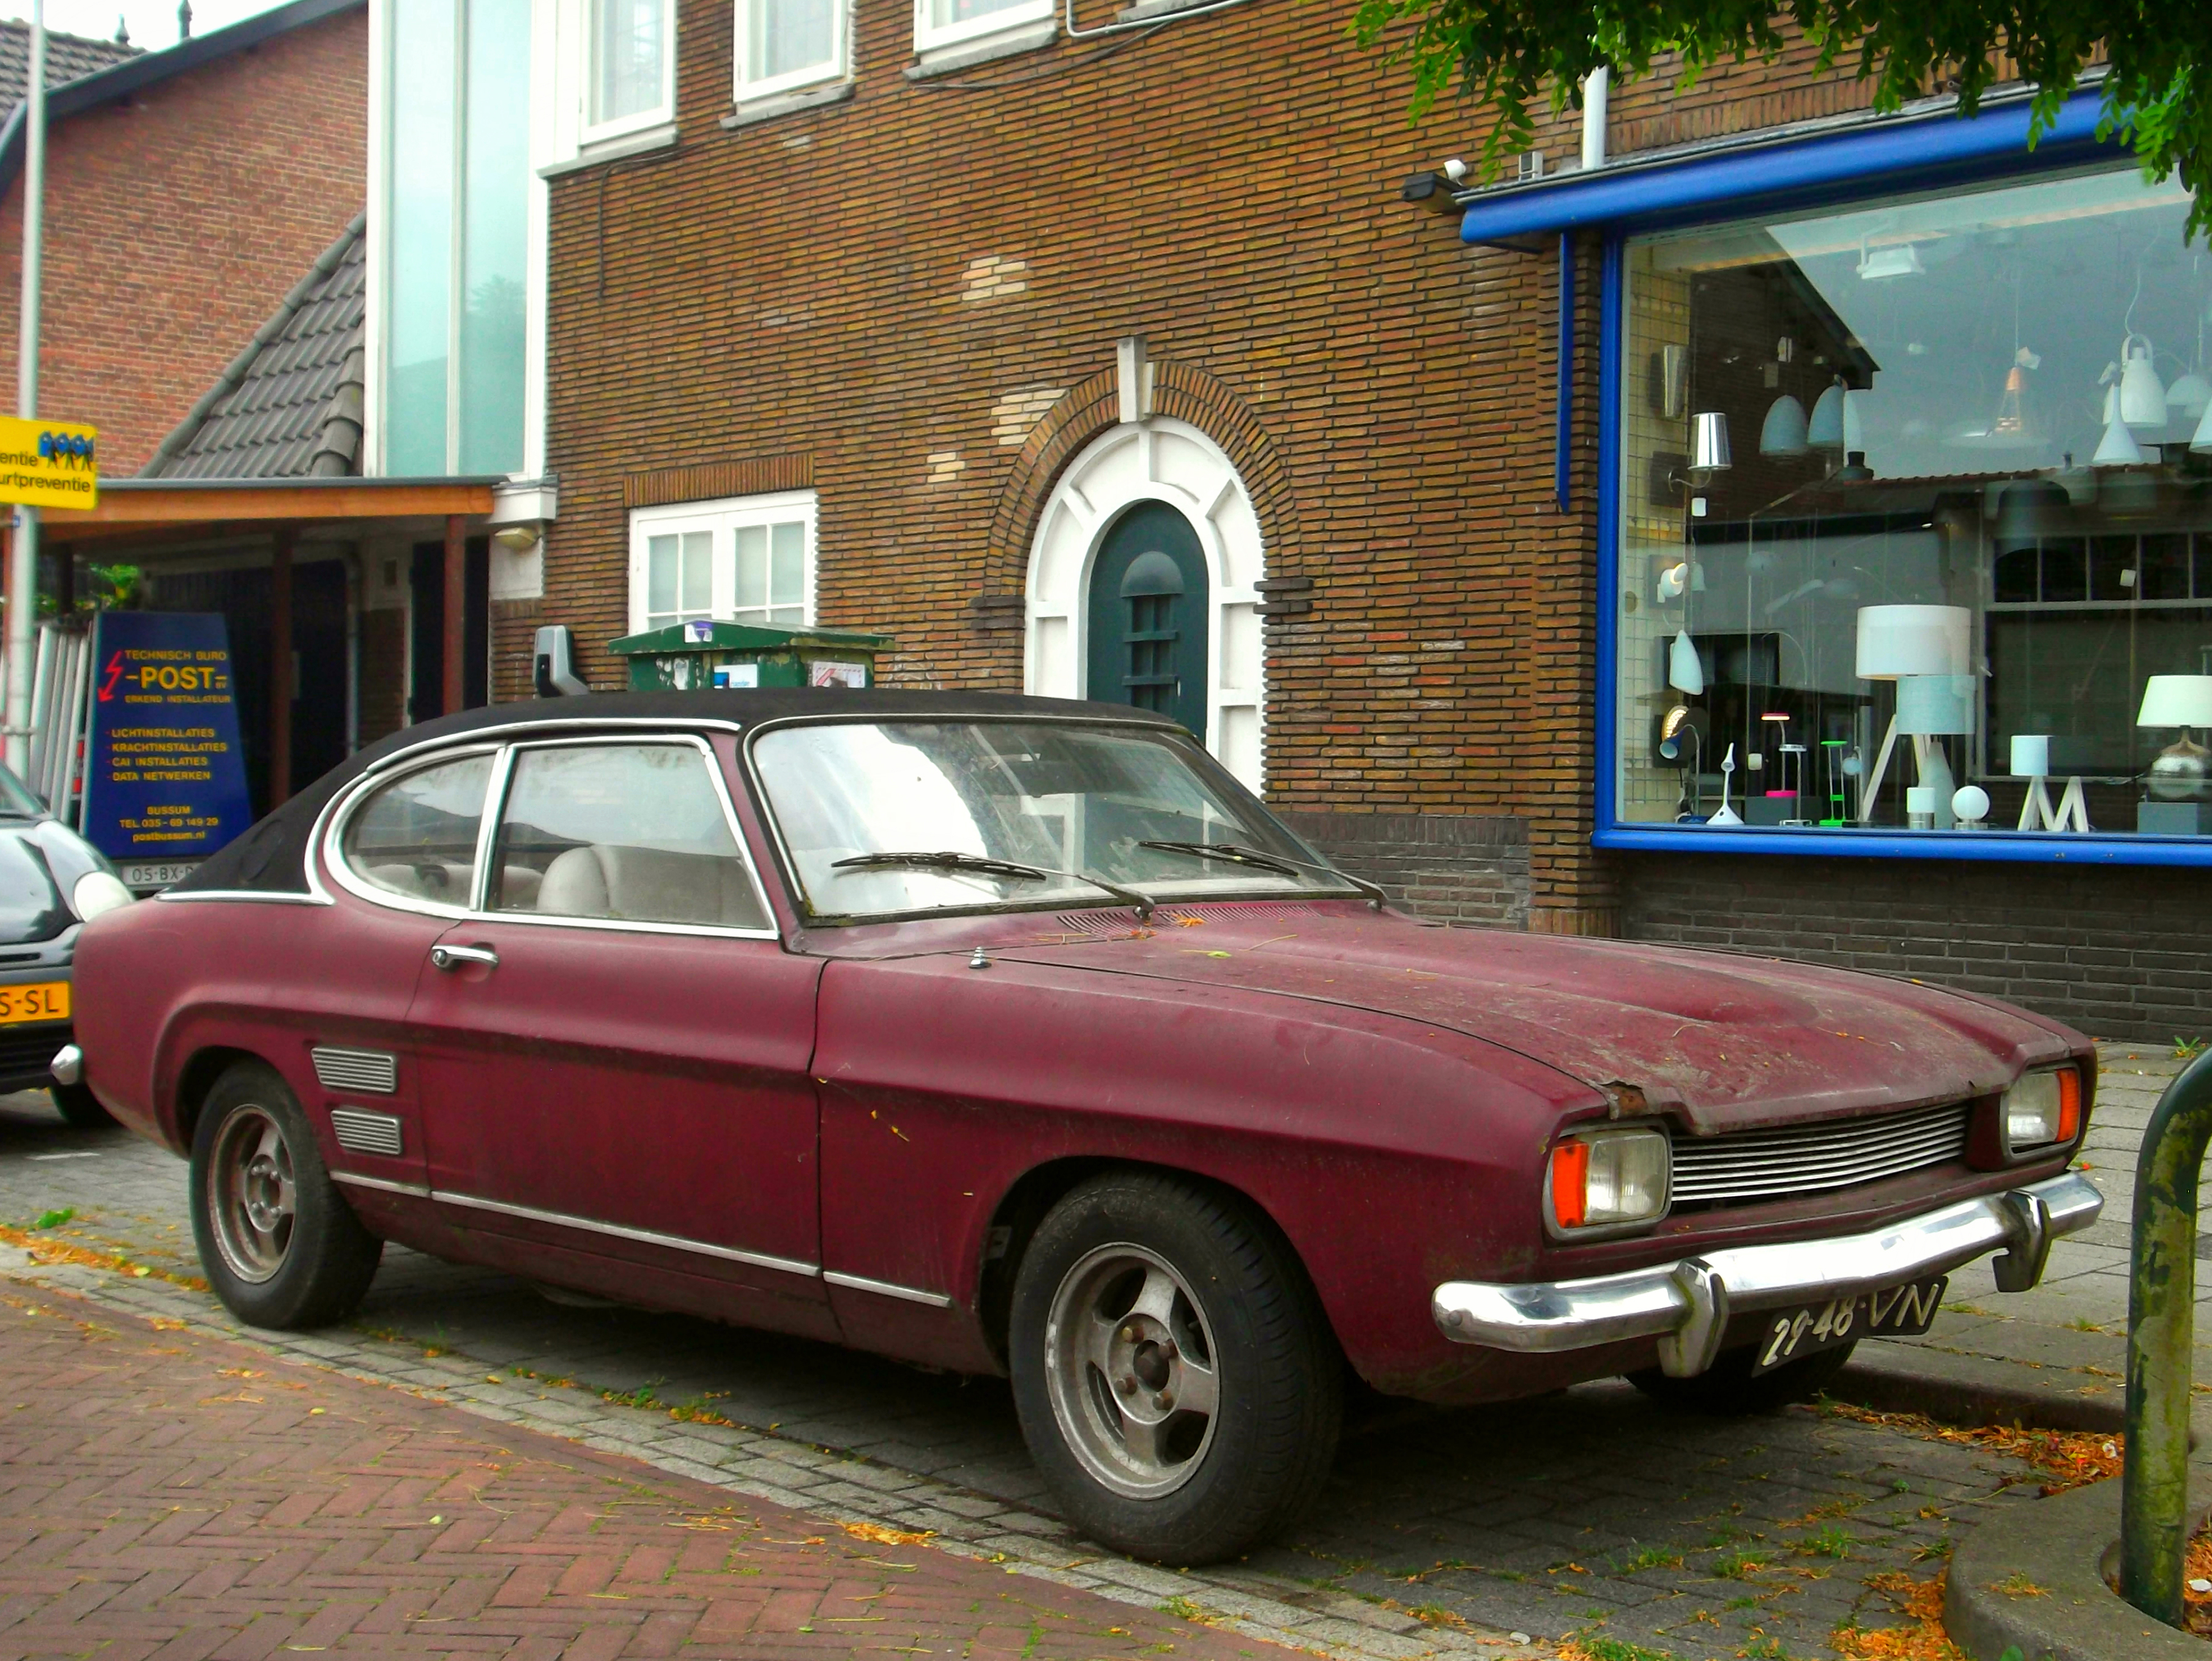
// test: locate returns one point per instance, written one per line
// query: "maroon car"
(1013, 1035)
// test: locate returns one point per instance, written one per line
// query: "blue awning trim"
(1900, 154)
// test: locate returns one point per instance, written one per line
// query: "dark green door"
(1148, 611)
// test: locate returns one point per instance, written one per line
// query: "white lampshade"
(1897, 640)
(2142, 394)
(2187, 397)
(1783, 431)
(2201, 443)
(2118, 448)
(1710, 441)
(1684, 672)
(1933, 705)
(1971, 802)
(2177, 701)
(2030, 756)
(1825, 429)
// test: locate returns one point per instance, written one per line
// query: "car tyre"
(79, 1109)
(1175, 1378)
(281, 1247)
(1726, 1389)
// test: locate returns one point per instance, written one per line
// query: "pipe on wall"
(1598, 87)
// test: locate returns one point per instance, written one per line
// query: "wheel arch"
(197, 1077)
(1037, 1189)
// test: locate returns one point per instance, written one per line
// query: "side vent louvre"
(361, 1132)
(357, 1069)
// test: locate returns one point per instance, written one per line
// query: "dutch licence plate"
(47, 1000)
(1895, 1311)
(155, 875)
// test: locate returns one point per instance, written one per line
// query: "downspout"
(1595, 87)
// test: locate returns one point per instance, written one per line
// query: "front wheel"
(280, 1244)
(1728, 1389)
(1175, 1378)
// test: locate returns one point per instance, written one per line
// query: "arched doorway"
(1129, 492)
(1149, 592)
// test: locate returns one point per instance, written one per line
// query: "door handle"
(450, 958)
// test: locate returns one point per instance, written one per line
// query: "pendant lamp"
(2142, 394)
(2118, 448)
(1684, 672)
(1825, 429)
(1782, 433)
(2201, 443)
(2187, 396)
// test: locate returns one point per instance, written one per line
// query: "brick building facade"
(904, 294)
(180, 212)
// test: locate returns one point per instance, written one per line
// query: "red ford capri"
(1014, 1036)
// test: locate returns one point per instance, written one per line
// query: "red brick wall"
(1226, 188)
(177, 220)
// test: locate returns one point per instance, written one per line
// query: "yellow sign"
(49, 464)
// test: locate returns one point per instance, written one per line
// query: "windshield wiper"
(986, 867)
(1238, 853)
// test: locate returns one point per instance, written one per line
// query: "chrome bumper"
(68, 1064)
(1686, 1305)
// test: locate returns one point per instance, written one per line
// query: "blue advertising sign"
(164, 777)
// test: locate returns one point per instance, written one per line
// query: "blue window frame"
(1930, 566)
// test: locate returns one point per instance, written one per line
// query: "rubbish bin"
(699, 654)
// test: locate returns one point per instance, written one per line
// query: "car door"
(614, 1047)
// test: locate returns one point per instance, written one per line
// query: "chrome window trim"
(502, 770)
(330, 834)
(505, 777)
(643, 1236)
(886, 1289)
(790, 867)
(489, 738)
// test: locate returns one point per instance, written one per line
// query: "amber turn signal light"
(1604, 1178)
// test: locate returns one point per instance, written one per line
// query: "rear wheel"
(280, 1244)
(1175, 1378)
(1727, 1388)
(78, 1106)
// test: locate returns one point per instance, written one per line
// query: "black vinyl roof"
(271, 857)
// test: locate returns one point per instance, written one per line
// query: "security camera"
(1456, 170)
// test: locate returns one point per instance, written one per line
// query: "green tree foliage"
(1512, 55)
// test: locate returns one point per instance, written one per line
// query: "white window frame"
(929, 38)
(659, 114)
(724, 518)
(746, 89)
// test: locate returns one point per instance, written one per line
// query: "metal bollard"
(2161, 1307)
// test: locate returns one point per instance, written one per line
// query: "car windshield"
(1054, 808)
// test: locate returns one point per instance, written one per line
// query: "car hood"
(1724, 1041)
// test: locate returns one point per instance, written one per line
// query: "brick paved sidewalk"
(165, 1494)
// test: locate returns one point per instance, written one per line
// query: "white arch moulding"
(1162, 461)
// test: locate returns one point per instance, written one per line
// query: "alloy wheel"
(251, 1197)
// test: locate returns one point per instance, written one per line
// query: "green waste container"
(699, 655)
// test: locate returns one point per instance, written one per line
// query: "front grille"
(29, 1051)
(1813, 1159)
(356, 1070)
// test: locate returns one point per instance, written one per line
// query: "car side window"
(417, 836)
(627, 833)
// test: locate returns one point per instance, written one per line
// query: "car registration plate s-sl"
(1894, 1312)
(44, 1000)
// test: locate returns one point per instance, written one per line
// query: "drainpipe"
(23, 554)
(1596, 86)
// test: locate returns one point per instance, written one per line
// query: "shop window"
(630, 56)
(744, 560)
(941, 23)
(1915, 519)
(784, 45)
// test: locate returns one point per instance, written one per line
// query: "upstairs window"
(631, 43)
(784, 45)
(942, 23)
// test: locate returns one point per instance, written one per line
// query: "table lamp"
(2178, 776)
(2030, 760)
(1927, 651)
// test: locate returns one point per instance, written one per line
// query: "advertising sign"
(164, 777)
(49, 464)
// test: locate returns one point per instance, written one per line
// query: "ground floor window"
(742, 560)
(1916, 516)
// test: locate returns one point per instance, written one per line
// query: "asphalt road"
(1590, 1511)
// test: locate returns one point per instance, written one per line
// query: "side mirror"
(96, 893)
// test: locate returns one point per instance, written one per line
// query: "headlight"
(1609, 1176)
(2043, 1108)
